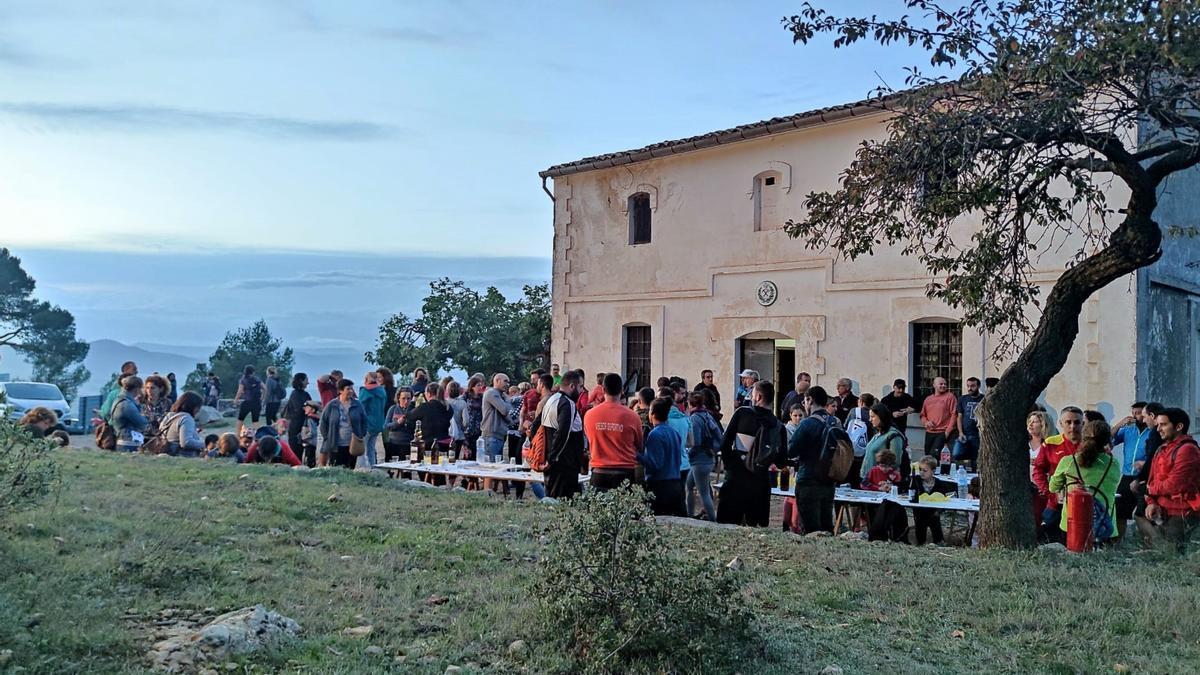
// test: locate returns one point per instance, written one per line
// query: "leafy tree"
(42, 333)
(250, 346)
(463, 328)
(1054, 101)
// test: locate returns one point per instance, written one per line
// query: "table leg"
(837, 519)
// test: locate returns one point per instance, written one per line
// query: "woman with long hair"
(38, 421)
(387, 380)
(474, 413)
(153, 403)
(1037, 425)
(1090, 468)
(887, 437)
(179, 426)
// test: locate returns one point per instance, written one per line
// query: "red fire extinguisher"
(1079, 521)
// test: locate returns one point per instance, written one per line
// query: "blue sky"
(162, 159)
(369, 126)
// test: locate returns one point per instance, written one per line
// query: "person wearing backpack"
(706, 442)
(753, 441)
(1091, 468)
(812, 449)
(860, 431)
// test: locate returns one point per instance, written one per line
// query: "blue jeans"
(539, 490)
(699, 479)
(368, 460)
(493, 449)
(966, 447)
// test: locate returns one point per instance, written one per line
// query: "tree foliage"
(42, 333)
(1026, 142)
(460, 327)
(1009, 168)
(250, 346)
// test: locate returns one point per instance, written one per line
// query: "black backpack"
(768, 446)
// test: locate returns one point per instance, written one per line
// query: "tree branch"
(1178, 160)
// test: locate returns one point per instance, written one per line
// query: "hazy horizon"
(311, 301)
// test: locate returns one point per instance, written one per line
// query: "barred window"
(637, 354)
(936, 352)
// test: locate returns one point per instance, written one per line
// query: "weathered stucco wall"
(695, 284)
(1169, 301)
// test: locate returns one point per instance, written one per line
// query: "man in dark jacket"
(846, 399)
(795, 396)
(707, 384)
(814, 489)
(564, 438)
(746, 495)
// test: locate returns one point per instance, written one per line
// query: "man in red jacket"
(1054, 448)
(1173, 491)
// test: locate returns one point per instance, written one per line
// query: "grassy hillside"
(441, 578)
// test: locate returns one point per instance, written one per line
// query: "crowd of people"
(679, 444)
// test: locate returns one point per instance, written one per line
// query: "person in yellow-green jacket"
(1091, 467)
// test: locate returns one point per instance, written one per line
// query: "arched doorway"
(773, 355)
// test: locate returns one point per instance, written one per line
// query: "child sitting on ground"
(227, 448)
(210, 444)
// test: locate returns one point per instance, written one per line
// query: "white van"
(19, 397)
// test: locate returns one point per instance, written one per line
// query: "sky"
(218, 144)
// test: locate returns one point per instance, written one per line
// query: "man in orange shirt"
(1054, 448)
(939, 414)
(614, 434)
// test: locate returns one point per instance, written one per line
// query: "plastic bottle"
(961, 478)
(479, 449)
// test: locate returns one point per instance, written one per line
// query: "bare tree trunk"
(1005, 513)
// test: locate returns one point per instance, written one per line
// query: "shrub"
(610, 590)
(28, 468)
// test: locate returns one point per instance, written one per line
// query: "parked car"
(21, 396)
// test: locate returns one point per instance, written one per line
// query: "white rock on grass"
(239, 632)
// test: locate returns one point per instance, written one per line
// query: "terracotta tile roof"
(744, 132)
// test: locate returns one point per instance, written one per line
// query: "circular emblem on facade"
(768, 293)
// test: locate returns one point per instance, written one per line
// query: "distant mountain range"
(106, 356)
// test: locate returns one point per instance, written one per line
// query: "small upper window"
(766, 201)
(639, 218)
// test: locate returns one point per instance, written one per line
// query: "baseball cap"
(749, 373)
(900, 383)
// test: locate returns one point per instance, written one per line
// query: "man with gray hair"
(494, 428)
(741, 394)
(846, 399)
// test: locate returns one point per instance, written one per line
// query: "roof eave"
(804, 121)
